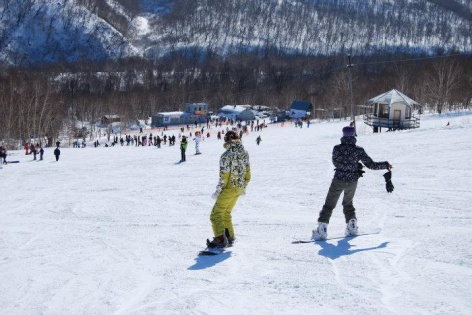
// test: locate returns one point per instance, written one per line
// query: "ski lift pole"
(353, 117)
(349, 66)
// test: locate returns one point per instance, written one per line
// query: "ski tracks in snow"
(389, 276)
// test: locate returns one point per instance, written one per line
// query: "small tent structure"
(392, 110)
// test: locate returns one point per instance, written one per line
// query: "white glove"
(215, 195)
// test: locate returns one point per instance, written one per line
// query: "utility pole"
(349, 66)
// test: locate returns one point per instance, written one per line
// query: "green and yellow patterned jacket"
(235, 172)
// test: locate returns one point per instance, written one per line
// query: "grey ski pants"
(337, 187)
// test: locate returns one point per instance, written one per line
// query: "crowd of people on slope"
(30, 149)
(153, 140)
(163, 139)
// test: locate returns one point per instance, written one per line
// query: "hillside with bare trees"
(43, 31)
(68, 61)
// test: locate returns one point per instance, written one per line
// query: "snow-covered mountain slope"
(39, 31)
(50, 31)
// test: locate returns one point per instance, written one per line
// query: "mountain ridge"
(44, 31)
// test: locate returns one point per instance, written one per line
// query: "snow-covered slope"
(40, 31)
(117, 230)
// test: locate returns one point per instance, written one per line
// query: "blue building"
(300, 109)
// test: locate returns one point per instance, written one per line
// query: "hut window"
(408, 112)
(384, 109)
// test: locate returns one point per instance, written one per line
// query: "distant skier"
(57, 152)
(346, 157)
(198, 139)
(3, 155)
(34, 150)
(235, 174)
(183, 148)
(258, 140)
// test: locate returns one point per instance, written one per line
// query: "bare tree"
(402, 78)
(338, 94)
(443, 82)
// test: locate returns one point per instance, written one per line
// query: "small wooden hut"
(392, 110)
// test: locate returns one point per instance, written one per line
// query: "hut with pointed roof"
(393, 110)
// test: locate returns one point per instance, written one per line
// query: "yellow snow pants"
(220, 216)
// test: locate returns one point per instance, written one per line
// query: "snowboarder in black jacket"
(346, 157)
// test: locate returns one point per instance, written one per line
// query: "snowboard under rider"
(235, 174)
(346, 157)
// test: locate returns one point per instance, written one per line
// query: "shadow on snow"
(343, 248)
(203, 262)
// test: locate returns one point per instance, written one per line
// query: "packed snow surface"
(117, 230)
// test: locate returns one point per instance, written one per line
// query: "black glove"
(388, 181)
(360, 172)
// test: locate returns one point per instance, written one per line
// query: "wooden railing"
(371, 120)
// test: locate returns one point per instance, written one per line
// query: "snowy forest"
(67, 61)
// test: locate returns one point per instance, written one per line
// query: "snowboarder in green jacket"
(235, 174)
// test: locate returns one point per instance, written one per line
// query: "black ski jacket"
(346, 156)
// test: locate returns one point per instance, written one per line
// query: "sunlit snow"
(117, 230)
